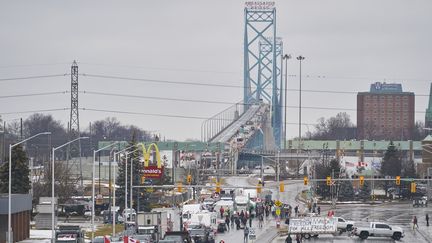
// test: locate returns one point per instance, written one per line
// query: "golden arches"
(147, 153)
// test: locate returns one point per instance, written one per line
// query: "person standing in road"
(319, 210)
(298, 238)
(227, 222)
(415, 223)
(288, 239)
(221, 210)
(246, 234)
(427, 219)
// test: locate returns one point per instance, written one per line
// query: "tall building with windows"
(385, 112)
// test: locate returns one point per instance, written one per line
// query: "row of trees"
(108, 129)
(393, 164)
(340, 127)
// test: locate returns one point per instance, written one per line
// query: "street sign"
(252, 235)
(278, 211)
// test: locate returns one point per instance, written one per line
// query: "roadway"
(268, 232)
(398, 214)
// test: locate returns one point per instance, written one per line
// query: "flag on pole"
(127, 239)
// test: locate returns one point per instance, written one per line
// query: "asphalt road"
(268, 232)
(398, 214)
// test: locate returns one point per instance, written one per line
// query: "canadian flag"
(106, 240)
(126, 239)
(362, 164)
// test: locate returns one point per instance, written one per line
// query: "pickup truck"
(378, 229)
(344, 225)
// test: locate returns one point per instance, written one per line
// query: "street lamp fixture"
(53, 182)
(10, 182)
(93, 184)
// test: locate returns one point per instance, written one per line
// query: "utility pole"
(286, 57)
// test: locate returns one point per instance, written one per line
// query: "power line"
(166, 115)
(218, 102)
(33, 65)
(160, 68)
(32, 111)
(33, 94)
(161, 81)
(31, 77)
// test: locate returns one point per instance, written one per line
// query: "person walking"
(227, 222)
(319, 210)
(298, 238)
(288, 239)
(415, 223)
(260, 220)
(221, 210)
(246, 234)
(427, 219)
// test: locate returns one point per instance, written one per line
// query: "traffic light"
(179, 187)
(361, 180)
(218, 189)
(189, 179)
(305, 180)
(398, 180)
(142, 180)
(328, 180)
(281, 187)
(258, 188)
(413, 187)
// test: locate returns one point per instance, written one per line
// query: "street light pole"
(10, 182)
(114, 188)
(300, 58)
(286, 57)
(52, 185)
(93, 184)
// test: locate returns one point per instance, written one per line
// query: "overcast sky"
(347, 44)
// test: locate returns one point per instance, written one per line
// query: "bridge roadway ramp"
(226, 135)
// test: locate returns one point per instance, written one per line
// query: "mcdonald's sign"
(152, 171)
(147, 154)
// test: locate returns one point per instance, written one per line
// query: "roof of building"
(20, 203)
(386, 88)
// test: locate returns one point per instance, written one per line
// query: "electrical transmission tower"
(74, 167)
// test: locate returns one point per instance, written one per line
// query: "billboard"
(153, 172)
(167, 158)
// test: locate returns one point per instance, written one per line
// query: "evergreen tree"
(322, 171)
(346, 191)
(392, 162)
(409, 169)
(365, 191)
(20, 173)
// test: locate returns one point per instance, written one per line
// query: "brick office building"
(385, 112)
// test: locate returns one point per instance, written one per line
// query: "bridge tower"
(262, 62)
(73, 164)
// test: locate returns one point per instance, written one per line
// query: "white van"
(189, 209)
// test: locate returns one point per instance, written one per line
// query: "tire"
(396, 236)
(364, 235)
(307, 236)
(349, 227)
